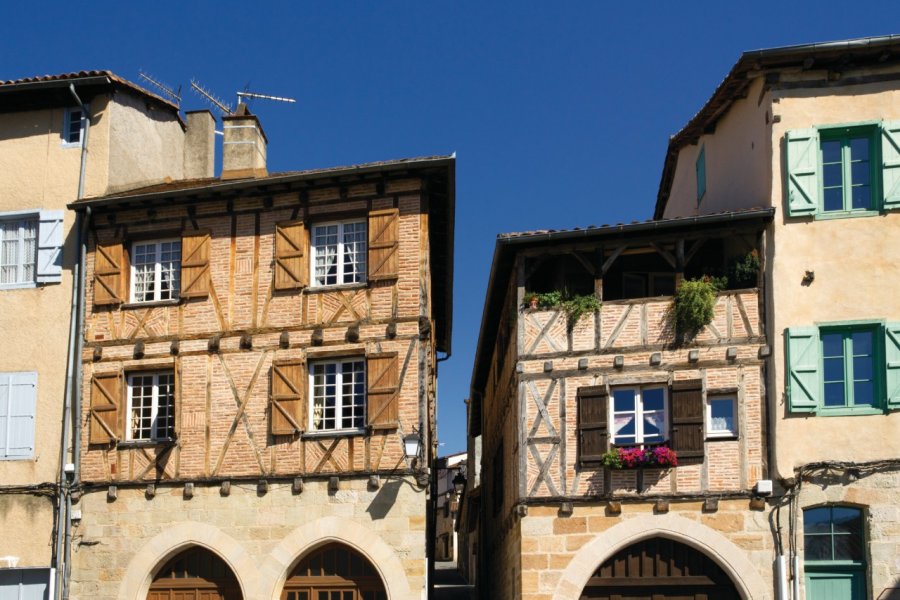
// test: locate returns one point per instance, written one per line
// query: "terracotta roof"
(213, 184)
(62, 77)
(837, 56)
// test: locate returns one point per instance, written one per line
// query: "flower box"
(656, 457)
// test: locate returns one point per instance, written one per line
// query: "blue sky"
(559, 112)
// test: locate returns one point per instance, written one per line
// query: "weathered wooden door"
(195, 574)
(334, 572)
(659, 569)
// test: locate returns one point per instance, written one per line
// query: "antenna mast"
(217, 103)
(165, 89)
(254, 95)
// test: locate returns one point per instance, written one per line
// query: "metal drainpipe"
(72, 400)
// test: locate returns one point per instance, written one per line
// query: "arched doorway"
(195, 574)
(659, 569)
(334, 572)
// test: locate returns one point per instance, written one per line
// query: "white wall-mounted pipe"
(781, 578)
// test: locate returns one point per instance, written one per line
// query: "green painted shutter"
(803, 368)
(890, 162)
(892, 363)
(802, 149)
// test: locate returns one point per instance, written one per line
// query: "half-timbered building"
(622, 455)
(259, 348)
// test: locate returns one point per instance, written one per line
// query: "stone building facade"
(563, 393)
(258, 349)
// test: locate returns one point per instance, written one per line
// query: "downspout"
(71, 403)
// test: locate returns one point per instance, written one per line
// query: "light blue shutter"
(50, 247)
(890, 162)
(25, 584)
(803, 368)
(18, 394)
(802, 149)
(892, 363)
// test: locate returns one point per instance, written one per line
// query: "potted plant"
(531, 300)
(661, 457)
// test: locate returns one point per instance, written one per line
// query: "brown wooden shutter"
(687, 421)
(383, 393)
(195, 275)
(110, 273)
(106, 407)
(288, 399)
(384, 242)
(593, 424)
(291, 261)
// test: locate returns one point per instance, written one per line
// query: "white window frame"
(175, 292)
(362, 265)
(21, 218)
(155, 435)
(67, 121)
(639, 414)
(7, 380)
(340, 403)
(721, 433)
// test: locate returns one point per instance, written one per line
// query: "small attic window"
(73, 128)
(701, 175)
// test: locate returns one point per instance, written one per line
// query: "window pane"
(623, 400)
(834, 369)
(817, 520)
(831, 151)
(859, 173)
(721, 414)
(862, 195)
(832, 344)
(847, 520)
(848, 547)
(653, 399)
(862, 368)
(624, 425)
(817, 547)
(834, 394)
(834, 199)
(863, 393)
(654, 425)
(832, 175)
(859, 149)
(862, 342)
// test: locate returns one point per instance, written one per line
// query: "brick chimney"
(244, 146)
(200, 145)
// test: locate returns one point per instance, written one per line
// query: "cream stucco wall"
(146, 144)
(856, 278)
(737, 162)
(260, 537)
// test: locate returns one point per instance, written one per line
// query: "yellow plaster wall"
(856, 278)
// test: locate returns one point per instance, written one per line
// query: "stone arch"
(748, 581)
(278, 565)
(165, 545)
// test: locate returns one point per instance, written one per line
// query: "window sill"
(146, 443)
(729, 437)
(845, 214)
(319, 289)
(18, 286)
(336, 433)
(16, 458)
(849, 411)
(175, 302)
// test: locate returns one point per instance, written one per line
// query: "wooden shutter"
(802, 151)
(803, 384)
(291, 262)
(892, 363)
(50, 247)
(687, 421)
(384, 243)
(593, 424)
(195, 275)
(288, 399)
(106, 405)
(890, 163)
(110, 273)
(383, 393)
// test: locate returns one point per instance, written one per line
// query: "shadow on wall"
(891, 593)
(384, 500)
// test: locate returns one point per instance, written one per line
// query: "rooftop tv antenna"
(165, 89)
(211, 98)
(254, 96)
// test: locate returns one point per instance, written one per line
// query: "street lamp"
(411, 443)
(459, 482)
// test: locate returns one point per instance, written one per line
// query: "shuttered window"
(151, 406)
(18, 403)
(843, 170)
(106, 407)
(339, 253)
(110, 273)
(687, 421)
(338, 394)
(291, 264)
(383, 390)
(26, 584)
(593, 424)
(195, 271)
(639, 415)
(384, 242)
(17, 251)
(155, 270)
(288, 398)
